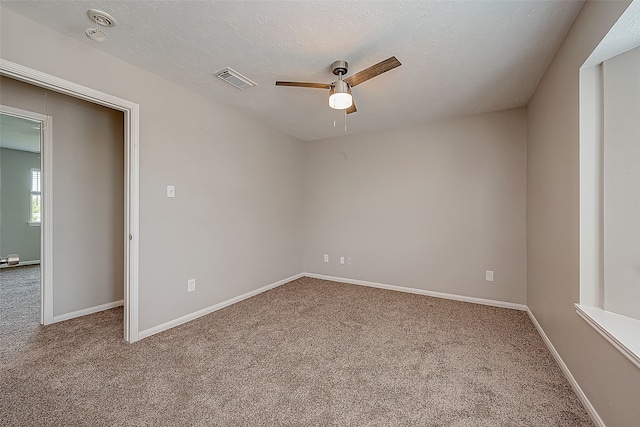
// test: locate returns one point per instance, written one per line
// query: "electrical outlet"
(488, 276)
(341, 260)
(191, 285)
(349, 260)
(171, 191)
(326, 257)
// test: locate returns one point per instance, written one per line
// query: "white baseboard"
(22, 263)
(192, 316)
(86, 311)
(493, 303)
(567, 373)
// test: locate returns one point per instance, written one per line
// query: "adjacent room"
(320, 213)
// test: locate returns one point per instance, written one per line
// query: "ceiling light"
(101, 19)
(340, 96)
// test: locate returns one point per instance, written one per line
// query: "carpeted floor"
(19, 308)
(309, 353)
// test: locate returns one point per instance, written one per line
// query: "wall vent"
(236, 79)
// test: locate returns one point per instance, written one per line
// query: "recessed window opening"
(610, 187)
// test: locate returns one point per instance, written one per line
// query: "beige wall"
(16, 235)
(235, 224)
(430, 206)
(610, 380)
(621, 79)
(88, 202)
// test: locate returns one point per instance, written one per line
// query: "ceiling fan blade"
(374, 70)
(352, 109)
(303, 84)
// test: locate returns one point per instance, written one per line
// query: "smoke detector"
(102, 19)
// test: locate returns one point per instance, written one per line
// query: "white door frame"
(131, 181)
(46, 219)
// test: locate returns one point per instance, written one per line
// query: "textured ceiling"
(458, 57)
(623, 36)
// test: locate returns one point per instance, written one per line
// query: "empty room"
(263, 213)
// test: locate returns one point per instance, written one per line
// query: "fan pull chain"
(345, 119)
(334, 117)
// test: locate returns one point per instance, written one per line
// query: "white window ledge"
(621, 331)
(34, 224)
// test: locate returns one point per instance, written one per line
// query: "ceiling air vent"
(236, 79)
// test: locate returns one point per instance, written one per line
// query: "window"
(609, 203)
(36, 197)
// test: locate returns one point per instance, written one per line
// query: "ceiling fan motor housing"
(340, 67)
(339, 86)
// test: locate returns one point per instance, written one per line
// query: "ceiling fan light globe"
(340, 101)
(340, 96)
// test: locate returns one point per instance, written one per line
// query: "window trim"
(619, 330)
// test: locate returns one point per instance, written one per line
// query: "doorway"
(131, 171)
(25, 140)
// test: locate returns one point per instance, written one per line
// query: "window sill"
(621, 331)
(34, 224)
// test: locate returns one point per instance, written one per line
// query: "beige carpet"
(309, 353)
